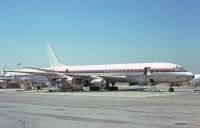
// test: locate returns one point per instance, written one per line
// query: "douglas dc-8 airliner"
(101, 76)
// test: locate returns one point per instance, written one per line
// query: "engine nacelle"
(100, 82)
(70, 80)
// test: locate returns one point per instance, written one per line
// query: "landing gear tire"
(171, 89)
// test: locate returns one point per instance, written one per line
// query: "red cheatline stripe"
(118, 70)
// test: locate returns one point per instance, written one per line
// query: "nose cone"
(190, 76)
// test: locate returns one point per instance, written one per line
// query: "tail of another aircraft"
(53, 59)
(3, 70)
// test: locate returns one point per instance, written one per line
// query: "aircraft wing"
(52, 74)
(32, 72)
(42, 73)
(40, 69)
(91, 77)
(4, 78)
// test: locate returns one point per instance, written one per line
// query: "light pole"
(18, 64)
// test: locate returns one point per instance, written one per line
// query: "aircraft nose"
(190, 76)
(193, 77)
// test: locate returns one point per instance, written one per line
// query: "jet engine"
(100, 82)
(70, 80)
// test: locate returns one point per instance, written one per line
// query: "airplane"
(2, 80)
(22, 74)
(98, 77)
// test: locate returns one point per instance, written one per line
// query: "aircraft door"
(147, 71)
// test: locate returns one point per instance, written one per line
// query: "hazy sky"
(100, 32)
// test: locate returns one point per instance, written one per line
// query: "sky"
(86, 32)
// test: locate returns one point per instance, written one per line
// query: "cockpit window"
(180, 69)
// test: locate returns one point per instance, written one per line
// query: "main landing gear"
(111, 88)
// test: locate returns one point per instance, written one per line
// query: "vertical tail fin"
(53, 59)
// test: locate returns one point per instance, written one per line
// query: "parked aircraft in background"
(101, 76)
(22, 74)
(1, 80)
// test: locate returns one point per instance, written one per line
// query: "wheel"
(171, 89)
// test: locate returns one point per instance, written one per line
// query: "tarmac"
(117, 109)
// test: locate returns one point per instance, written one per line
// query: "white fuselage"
(132, 73)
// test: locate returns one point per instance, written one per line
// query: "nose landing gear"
(171, 89)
